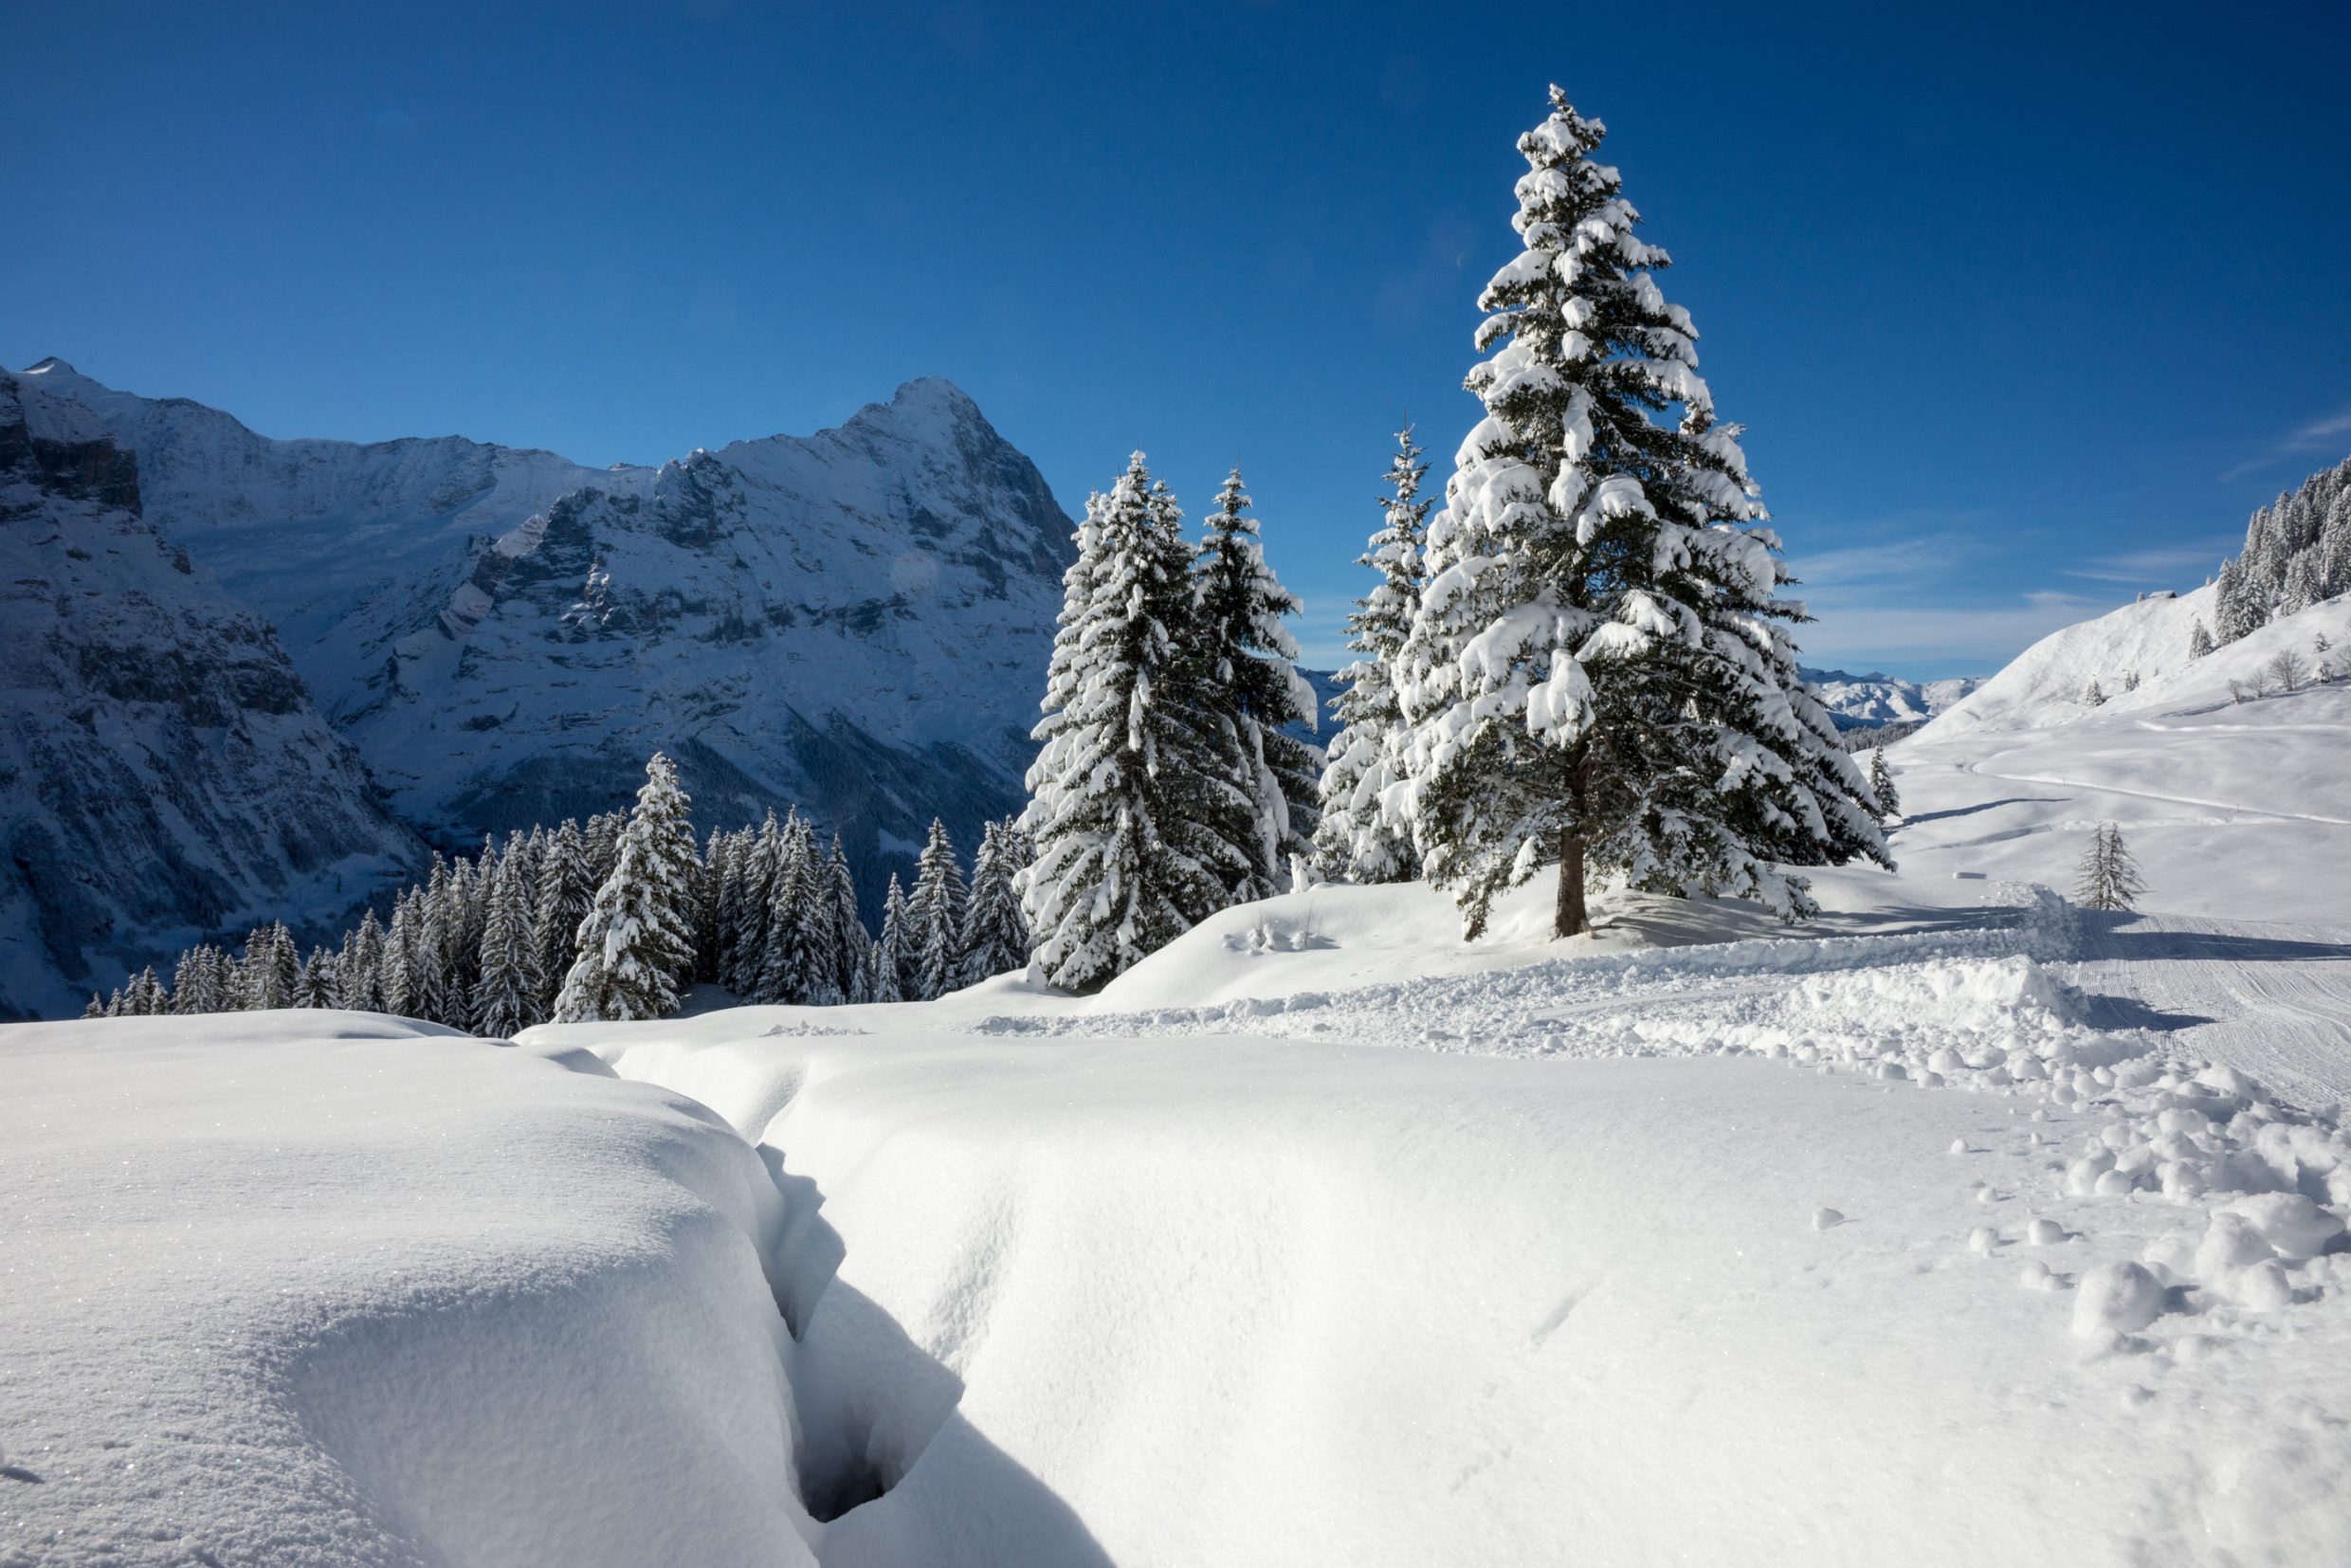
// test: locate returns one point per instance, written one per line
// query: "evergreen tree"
(440, 930)
(201, 981)
(1132, 809)
(507, 989)
(316, 986)
(266, 976)
(709, 925)
(1257, 691)
(889, 982)
(1357, 836)
(761, 861)
(2109, 877)
(96, 1007)
(638, 938)
(560, 903)
(995, 935)
(1882, 784)
(2093, 695)
(394, 975)
(2200, 641)
(796, 967)
(935, 916)
(2236, 607)
(1596, 676)
(850, 942)
(359, 974)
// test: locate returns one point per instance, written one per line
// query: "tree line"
(2297, 553)
(613, 919)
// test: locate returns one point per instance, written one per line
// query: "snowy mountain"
(1865, 702)
(855, 621)
(163, 774)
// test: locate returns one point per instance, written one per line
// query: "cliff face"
(163, 771)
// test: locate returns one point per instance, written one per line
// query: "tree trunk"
(1571, 917)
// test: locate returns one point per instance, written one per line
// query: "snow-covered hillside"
(163, 775)
(1873, 699)
(856, 621)
(2234, 809)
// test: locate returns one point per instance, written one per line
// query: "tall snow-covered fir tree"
(638, 939)
(1598, 677)
(996, 935)
(1137, 823)
(1359, 837)
(890, 976)
(935, 916)
(1256, 690)
(560, 901)
(505, 995)
(849, 940)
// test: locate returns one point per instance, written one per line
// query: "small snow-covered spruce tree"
(1136, 820)
(1596, 676)
(849, 940)
(638, 938)
(1882, 784)
(315, 988)
(935, 915)
(1256, 691)
(888, 980)
(2093, 695)
(1357, 837)
(2200, 641)
(797, 967)
(996, 935)
(505, 996)
(2109, 876)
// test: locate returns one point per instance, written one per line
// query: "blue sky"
(2024, 308)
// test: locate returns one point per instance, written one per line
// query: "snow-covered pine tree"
(2093, 695)
(760, 862)
(935, 916)
(96, 1007)
(1882, 784)
(2200, 641)
(437, 935)
(359, 973)
(1134, 815)
(1357, 838)
(201, 980)
(709, 928)
(2109, 876)
(2238, 609)
(794, 970)
(995, 935)
(558, 905)
(888, 981)
(601, 838)
(267, 977)
(316, 985)
(851, 965)
(638, 938)
(506, 987)
(1257, 690)
(1596, 676)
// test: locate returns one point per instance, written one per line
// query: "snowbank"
(332, 1288)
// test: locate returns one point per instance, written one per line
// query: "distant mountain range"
(857, 622)
(1866, 702)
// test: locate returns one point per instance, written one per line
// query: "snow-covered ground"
(1960, 1227)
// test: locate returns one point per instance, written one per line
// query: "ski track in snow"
(2234, 810)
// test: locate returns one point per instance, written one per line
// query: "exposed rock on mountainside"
(163, 771)
(855, 621)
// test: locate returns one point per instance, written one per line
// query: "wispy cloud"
(2160, 566)
(2324, 436)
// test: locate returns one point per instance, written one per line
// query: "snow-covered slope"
(855, 621)
(2234, 809)
(1873, 699)
(163, 774)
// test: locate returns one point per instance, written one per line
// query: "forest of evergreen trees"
(613, 919)
(2297, 551)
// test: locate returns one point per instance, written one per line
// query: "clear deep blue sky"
(2024, 309)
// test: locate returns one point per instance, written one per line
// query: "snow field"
(1715, 1253)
